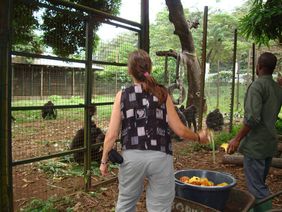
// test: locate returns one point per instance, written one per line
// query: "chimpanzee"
(96, 136)
(48, 111)
(190, 114)
(215, 120)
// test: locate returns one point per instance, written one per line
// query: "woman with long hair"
(143, 114)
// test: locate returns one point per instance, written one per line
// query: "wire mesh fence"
(51, 83)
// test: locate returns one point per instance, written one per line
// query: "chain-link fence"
(64, 80)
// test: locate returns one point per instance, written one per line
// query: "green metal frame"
(6, 162)
(6, 189)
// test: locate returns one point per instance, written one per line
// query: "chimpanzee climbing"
(48, 111)
(215, 120)
(96, 136)
(191, 115)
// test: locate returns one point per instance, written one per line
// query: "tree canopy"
(263, 23)
(63, 32)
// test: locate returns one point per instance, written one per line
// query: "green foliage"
(49, 205)
(219, 138)
(23, 27)
(63, 168)
(221, 29)
(224, 137)
(63, 32)
(278, 126)
(263, 22)
(224, 77)
(55, 98)
(38, 205)
(198, 147)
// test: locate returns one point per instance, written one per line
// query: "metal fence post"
(87, 100)
(233, 81)
(6, 188)
(144, 35)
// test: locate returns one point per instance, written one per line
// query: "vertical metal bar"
(238, 86)
(12, 81)
(233, 81)
(165, 71)
(144, 35)
(87, 101)
(65, 93)
(49, 82)
(73, 83)
(254, 62)
(23, 82)
(204, 57)
(32, 81)
(217, 86)
(6, 184)
(41, 82)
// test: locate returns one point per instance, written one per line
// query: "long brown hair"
(140, 67)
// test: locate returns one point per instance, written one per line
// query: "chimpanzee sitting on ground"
(190, 114)
(215, 120)
(48, 111)
(96, 136)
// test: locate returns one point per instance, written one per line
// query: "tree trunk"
(238, 160)
(176, 16)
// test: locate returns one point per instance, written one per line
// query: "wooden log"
(170, 53)
(279, 147)
(279, 138)
(238, 160)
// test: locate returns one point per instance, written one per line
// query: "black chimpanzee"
(48, 111)
(191, 115)
(215, 120)
(96, 136)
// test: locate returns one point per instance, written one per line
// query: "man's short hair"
(267, 61)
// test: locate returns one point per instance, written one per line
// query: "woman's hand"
(104, 169)
(204, 136)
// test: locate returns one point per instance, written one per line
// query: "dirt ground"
(185, 158)
(29, 181)
(103, 198)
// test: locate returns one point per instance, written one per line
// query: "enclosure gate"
(40, 161)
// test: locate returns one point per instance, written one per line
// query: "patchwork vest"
(144, 121)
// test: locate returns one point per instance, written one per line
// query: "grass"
(103, 111)
(50, 205)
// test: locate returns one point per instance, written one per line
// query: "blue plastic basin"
(212, 196)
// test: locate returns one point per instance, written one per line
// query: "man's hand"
(233, 146)
(279, 80)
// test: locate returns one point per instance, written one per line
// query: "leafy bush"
(224, 137)
(219, 138)
(278, 126)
